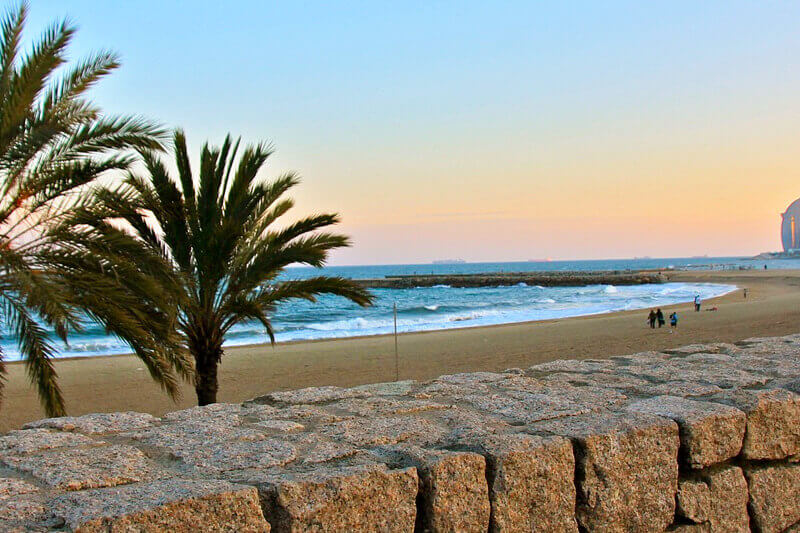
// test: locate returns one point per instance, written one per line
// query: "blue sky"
(494, 130)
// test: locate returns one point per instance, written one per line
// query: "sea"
(444, 307)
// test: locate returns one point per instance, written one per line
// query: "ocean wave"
(424, 310)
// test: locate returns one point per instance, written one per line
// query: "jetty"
(495, 279)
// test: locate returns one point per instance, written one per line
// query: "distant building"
(790, 227)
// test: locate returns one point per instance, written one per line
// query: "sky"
(486, 131)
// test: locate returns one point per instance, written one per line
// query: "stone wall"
(702, 438)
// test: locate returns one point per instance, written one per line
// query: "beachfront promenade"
(699, 438)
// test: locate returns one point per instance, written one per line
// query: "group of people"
(657, 317)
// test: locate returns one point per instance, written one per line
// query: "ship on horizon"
(449, 262)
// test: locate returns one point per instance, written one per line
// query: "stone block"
(364, 432)
(170, 505)
(391, 388)
(589, 366)
(773, 422)
(710, 432)
(713, 373)
(216, 458)
(531, 484)
(715, 498)
(226, 414)
(371, 407)
(774, 496)
(26, 441)
(453, 494)
(712, 347)
(683, 389)
(360, 498)
(214, 448)
(311, 395)
(693, 501)
(97, 423)
(85, 468)
(21, 506)
(626, 469)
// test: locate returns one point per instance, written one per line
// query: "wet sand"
(120, 383)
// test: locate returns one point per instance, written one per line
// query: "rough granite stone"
(391, 388)
(626, 469)
(774, 496)
(312, 395)
(710, 432)
(218, 413)
(219, 457)
(530, 482)
(773, 422)
(693, 501)
(386, 407)
(97, 423)
(26, 441)
(712, 347)
(683, 389)
(361, 498)
(171, 505)
(690, 528)
(380, 431)
(716, 498)
(84, 468)
(453, 494)
(571, 365)
(280, 426)
(713, 373)
(21, 505)
(593, 445)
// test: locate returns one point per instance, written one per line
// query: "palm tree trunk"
(205, 381)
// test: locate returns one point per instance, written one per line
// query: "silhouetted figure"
(651, 318)
(660, 317)
(745, 293)
(697, 303)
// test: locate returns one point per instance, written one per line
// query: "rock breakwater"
(545, 279)
(701, 438)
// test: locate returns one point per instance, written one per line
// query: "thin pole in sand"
(396, 362)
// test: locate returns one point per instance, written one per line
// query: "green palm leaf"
(216, 230)
(58, 254)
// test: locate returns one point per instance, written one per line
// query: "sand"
(120, 383)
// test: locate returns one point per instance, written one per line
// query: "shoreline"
(120, 383)
(404, 333)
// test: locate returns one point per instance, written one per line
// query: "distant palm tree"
(54, 145)
(219, 233)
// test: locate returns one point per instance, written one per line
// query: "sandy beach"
(120, 383)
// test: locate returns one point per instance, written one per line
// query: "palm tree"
(219, 234)
(54, 145)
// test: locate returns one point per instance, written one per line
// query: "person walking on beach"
(660, 317)
(745, 293)
(697, 303)
(673, 321)
(651, 318)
